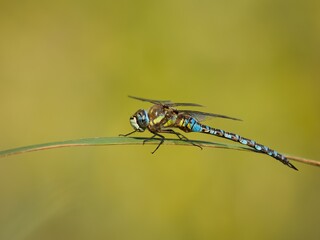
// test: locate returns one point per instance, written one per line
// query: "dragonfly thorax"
(140, 120)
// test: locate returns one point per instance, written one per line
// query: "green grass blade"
(109, 141)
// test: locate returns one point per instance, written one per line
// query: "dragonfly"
(163, 117)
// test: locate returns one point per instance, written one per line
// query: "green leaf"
(109, 141)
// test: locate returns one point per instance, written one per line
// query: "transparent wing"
(165, 102)
(200, 116)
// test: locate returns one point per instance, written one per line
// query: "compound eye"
(142, 118)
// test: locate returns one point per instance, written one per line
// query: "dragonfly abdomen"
(189, 124)
(194, 126)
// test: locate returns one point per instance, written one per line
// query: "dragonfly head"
(140, 120)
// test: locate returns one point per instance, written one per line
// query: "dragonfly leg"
(146, 140)
(181, 137)
(155, 135)
(125, 135)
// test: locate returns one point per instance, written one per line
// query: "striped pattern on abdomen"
(193, 125)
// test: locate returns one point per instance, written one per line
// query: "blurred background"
(66, 68)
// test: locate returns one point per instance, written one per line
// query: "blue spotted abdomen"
(192, 125)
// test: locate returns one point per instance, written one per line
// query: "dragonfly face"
(140, 120)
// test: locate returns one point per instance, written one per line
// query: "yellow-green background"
(66, 68)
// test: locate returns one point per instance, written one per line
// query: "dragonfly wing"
(171, 104)
(200, 116)
(165, 102)
(150, 100)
